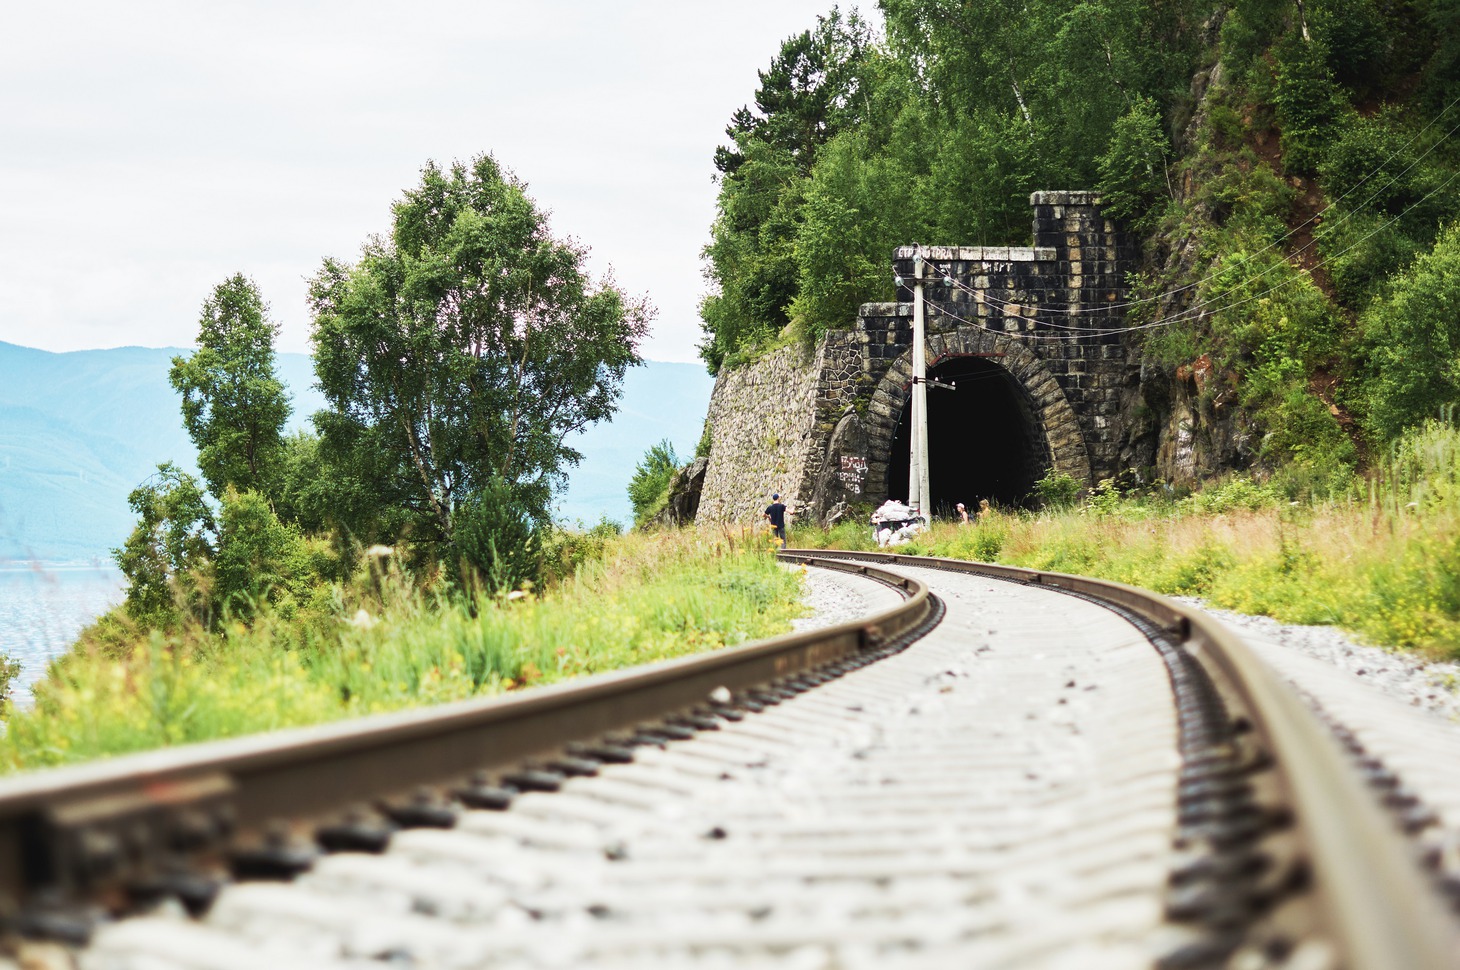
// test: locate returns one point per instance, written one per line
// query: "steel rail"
(69, 833)
(1376, 902)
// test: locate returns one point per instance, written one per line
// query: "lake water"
(42, 609)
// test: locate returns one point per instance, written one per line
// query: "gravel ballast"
(1405, 677)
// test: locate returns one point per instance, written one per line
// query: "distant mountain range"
(80, 430)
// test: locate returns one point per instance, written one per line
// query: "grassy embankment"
(1381, 559)
(391, 646)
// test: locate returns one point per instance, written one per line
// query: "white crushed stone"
(834, 597)
(1433, 686)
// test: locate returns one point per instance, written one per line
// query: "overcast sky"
(150, 150)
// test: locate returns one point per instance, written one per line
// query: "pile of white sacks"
(895, 523)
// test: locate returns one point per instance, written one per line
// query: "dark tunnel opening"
(984, 441)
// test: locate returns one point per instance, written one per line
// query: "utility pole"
(919, 496)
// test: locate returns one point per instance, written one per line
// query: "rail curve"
(1277, 837)
(1375, 900)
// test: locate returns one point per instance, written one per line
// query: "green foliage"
(393, 645)
(1133, 167)
(1248, 29)
(1104, 499)
(1442, 72)
(1361, 252)
(496, 543)
(565, 550)
(813, 89)
(1057, 490)
(310, 492)
(1413, 341)
(9, 670)
(1391, 201)
(495, 539)
(649, 486)
(853, 213)
(1359, 40)
(751, 254)
(1307, 101)
(233, 405)
(166, 557)
(1235, 493)
(1195, 572)
(707, 440)
(465, 347)
(260, 561)
(816, 86)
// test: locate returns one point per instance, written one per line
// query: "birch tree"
(465, 348)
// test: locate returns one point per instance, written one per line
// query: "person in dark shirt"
(775, 514)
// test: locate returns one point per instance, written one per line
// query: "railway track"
(1003, 769)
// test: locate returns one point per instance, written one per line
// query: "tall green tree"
(817, 86)
(937, 134)
(1413, 342)
(233, 405)
(464, 348)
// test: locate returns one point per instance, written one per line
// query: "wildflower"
(362, 620)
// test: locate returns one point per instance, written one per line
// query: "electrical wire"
(1195, 311)
(1347, 215)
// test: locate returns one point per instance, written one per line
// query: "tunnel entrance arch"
(984, 439)
(1006, 425)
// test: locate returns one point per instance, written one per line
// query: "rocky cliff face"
(684, 496)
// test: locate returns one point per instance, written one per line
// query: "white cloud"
(149, 150)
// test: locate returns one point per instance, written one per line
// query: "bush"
(1307, 102)
(649, 486)
(167, 554)
(1057, 490)
(9, 670)
(495, 543)
(260, 560)
(1238, 492)
(566, 550)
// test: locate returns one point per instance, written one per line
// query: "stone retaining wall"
(762, 427)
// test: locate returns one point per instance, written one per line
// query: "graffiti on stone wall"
(853, 473)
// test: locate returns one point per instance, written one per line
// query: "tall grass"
(389, 644)
(1380, 558)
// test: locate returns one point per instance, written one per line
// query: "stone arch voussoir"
(1056, 419)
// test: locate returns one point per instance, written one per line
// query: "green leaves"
(1413, 337)
(260, 560)
(1133, 168)
(233, 406)
(1308, 101)
(166, 557)
(463, 350)
(649, 486)
(496, 540)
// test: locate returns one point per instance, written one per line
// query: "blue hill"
(80, 430)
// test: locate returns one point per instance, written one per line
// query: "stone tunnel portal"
(984, 441)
